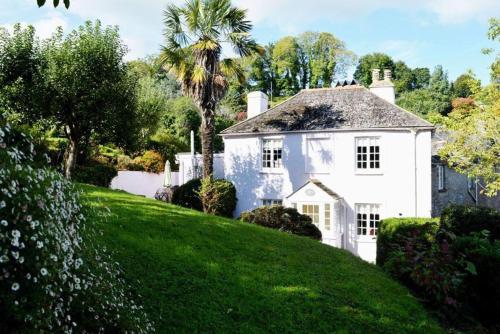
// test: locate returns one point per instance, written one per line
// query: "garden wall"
(141, 183)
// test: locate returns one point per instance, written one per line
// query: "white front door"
(322, 215)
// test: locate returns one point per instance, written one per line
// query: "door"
(322, 215)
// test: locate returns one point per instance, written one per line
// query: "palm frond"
(243, 45)
(232, 68)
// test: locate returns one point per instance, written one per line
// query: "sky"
(422, 33)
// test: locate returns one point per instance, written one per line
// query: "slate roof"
(320, 185)
(342, 107)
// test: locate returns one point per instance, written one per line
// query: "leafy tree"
(403, 77)
(56, 3)
(261, 72)
(322, 57)
(286, 58)
(366, 63)
(20, 64)
(466, 85)
(91, 95)
(424, 102)
(421, 77)
(474, 144)
(182, 116)
(194, 35)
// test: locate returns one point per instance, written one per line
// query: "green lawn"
(206, 274)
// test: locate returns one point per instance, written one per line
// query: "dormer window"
(272, 154)
(367, 154)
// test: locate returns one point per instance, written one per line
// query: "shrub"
(124, 162)
(392, 233)
(53, 278)
(187, 195)
(464, 220)
(218, 197)
(151, 161)
(96, 173)
(284, 219)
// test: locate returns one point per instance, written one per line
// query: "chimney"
(256, 103)
(383, 88)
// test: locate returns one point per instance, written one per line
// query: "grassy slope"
(201, 273)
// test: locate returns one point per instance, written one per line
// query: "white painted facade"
(401, 187)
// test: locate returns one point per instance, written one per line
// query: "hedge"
(96, 173)
(284, 219)
(463, 220)
(391, 231)
(188, 196)
(218, 197)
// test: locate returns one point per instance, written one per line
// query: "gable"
(350, 107)
(314, 191)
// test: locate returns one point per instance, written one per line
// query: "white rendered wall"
(393, 188)
(140, 183)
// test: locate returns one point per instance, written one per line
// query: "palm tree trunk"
(207, 141)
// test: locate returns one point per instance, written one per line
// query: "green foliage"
(466, 85)
(283, 219)
(210, 274)
(473, 146)
(188, 196)
(54, 278)
(392, 232)
(180, 117)
(464, 220)
(151, 161)
(56, 3)
(96, 173)
(90, 92)
(367, 63)
(424, 102)
(167, 145)
(218, 197)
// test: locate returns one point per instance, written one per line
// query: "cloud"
(406, 50)
(44, 27)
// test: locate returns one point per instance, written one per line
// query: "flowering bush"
(151, 161)
(53, 278)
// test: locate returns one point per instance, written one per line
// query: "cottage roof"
(320, 185)
(342, 107)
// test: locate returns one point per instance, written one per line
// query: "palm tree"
(194, 36)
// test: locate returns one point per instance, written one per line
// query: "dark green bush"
(392, 231)
(283, 219)
(95, 173)
(218, 197)
(463, 220)
(188, 196)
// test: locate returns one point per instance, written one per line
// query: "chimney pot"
(387, 75)
(375, 75)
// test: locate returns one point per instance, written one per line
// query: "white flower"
(15, 255)
(4, 258)
(4, 222)
(39, 244)
(16, 234)
(15, 286)
(44, 272)
(28, 218)
(2, 204)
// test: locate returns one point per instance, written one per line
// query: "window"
(440, 174)
(269, 202)
(367, 153)
(367, 218)
(311, 211)
(272, 153)
(327, 217)
(319, 155)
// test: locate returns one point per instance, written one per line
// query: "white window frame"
(270, 202)
(272, 168)
(368, 142)
(323, 137)
(440, 177)
(372, 217)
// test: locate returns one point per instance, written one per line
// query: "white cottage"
(345, 156)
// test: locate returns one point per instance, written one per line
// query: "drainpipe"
(415, 178)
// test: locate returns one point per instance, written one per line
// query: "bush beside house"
(96, 173)
(218, 197)
(188, 196)
(283, 219)
(454, 265)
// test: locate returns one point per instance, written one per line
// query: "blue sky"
(422, 33)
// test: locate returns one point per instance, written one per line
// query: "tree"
(194, 35)
(286, 58)
(466, 85)
(56, 3)
(369, 62)
(91, 95)
(424, 102)
(421, 77)
(474, 144)
(322, 57)
(20, 65)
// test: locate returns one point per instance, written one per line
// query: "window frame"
(373, 209)
(368, 170)
(272, 201)
(271, 169)
(441, 178)
(315, 216)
